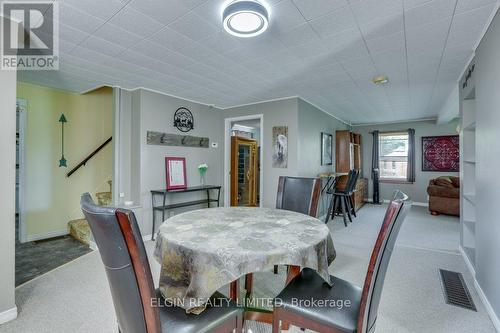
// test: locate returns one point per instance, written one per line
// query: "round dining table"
(203, 250)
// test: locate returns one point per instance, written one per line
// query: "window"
(393, 156)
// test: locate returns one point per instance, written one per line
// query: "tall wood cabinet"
(347, 157)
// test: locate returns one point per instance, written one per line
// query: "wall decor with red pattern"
(440, 153)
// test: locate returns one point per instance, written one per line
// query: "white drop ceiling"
(325, 51)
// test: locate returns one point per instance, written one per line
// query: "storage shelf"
(470, 161)
(471, 197)
(471, 225)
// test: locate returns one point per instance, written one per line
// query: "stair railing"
(84, 162)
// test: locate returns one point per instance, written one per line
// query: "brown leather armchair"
(444, 195)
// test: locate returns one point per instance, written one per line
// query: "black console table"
(164, 207)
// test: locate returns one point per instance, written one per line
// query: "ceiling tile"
(156, 51)
(382, 27)
(133, 21)
(300, 35)
(172, 40)
(70, 34)
(467, 5)
(429, 12)
(395, 41)
(285, 16)
(114, 34)
(164, 11)
(467, 26)
(98, 8)
(334, 22)
(102, 46)
(194, 27)
(78, 19)
(312, 9)
(369, 10)
(222, 42)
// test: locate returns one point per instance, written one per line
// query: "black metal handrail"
(82, 163)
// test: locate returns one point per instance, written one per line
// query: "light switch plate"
(215, 145)
(122, 195)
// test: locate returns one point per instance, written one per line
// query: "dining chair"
(344, 198)
(123, 254)
(292, 305)
(298, 194)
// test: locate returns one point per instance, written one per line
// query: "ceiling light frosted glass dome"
(245, 18)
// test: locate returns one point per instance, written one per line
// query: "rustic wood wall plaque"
(165, 139)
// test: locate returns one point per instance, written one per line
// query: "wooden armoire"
(347, 157)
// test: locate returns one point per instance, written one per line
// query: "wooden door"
(244, 171)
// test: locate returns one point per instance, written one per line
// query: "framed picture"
(176, 173)
(280, 149)
(326, 149)
(440, 153)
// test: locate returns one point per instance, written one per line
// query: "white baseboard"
(8, 315)
(469, 265)
(146, 238)
(50, 234)
(487, 305)
(479, 290)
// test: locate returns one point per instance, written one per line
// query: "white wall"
(418, 190)
(8, 309)
(487, 82)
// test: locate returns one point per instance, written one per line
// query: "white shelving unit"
(468, 178)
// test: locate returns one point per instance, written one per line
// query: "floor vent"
(455, 290)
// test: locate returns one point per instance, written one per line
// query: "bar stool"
(344, 198)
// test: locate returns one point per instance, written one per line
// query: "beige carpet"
(75, 297)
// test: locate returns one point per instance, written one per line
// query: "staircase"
(80, 229)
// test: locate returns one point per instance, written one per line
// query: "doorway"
(242, 161)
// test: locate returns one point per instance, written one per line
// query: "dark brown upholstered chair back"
(379, 261)
(120, 244)
(300, 195)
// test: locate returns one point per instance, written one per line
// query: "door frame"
(227, 157)
(23, 237)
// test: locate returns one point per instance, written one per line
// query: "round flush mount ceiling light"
(245, 18)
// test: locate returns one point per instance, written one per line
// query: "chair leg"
(335, 205)
(276, 322)
(240, 323)
(342, 204)
(330, 209)
(349, 209)
(353, 206)
(248, 285)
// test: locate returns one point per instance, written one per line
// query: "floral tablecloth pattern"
(200, 251)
